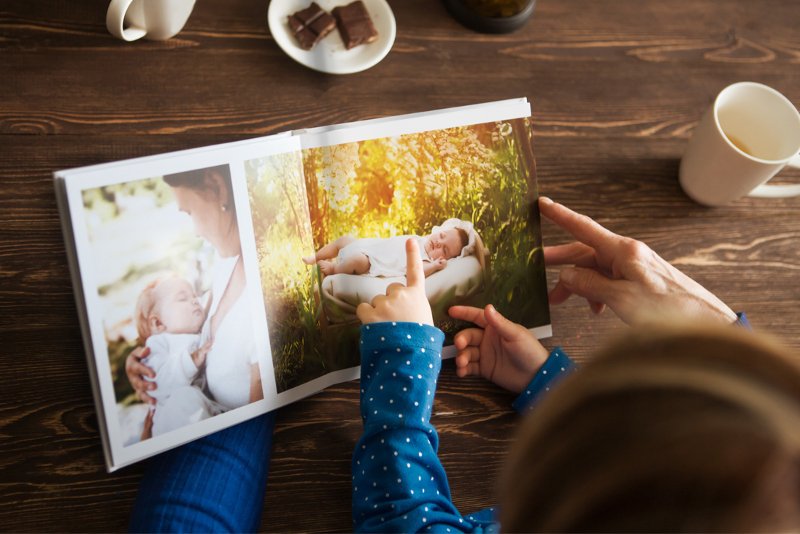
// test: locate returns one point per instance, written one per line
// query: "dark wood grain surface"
(616, 88)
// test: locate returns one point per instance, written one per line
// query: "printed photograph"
(170, 279)
(467, 194)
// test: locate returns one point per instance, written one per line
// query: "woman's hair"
(667, 429)
(201, 180)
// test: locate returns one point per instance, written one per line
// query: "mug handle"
(115, 21)
(779, 191)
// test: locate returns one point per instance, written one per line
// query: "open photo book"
(233, 272)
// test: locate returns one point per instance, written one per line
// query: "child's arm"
(399, 483)
(430, 267)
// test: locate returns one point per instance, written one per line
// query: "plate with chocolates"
(333, 36)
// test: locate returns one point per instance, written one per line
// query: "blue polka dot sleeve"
(557, 366)
(399, 484)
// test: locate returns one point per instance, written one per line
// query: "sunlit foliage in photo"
(387, 187)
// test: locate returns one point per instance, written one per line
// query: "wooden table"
(617, 88)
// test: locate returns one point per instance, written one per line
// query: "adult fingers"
(139, 369)
(140, 352)
(590, 284)
(580, 226)
(467, 337)
(415, 277)
(597, 307)
(574, 253)
(559, 294)
(468, 313)
(144, 397)
(506, 328)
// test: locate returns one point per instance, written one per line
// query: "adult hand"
(625, 274)
(500, 350)
(147, 427)
(136, 372)
(401, 303)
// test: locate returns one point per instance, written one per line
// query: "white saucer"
(329, 55)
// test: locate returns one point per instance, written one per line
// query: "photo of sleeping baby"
(171, 286)
(331, 226)
(356, 270)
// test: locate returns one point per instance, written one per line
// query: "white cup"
(152, 19)
(748, 135)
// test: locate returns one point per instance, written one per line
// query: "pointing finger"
(415, 276)
(583, 228)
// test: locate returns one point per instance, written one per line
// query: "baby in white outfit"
(169, 318)
(387, 256)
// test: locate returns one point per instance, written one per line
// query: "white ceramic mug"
(748, 135)
(152, 19)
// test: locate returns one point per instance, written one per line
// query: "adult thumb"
(506, 328)
(589, 284)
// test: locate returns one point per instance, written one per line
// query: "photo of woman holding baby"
(222, 349)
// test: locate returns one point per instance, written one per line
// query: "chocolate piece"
(354, 24)
(310, 25)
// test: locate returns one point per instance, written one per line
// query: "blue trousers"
(214, 484)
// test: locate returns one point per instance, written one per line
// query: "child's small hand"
(441, 263)
(199, 356)
(401, 303)
(501, 351)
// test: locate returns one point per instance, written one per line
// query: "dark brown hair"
(668, 429)
(464, 237)
(200, 180)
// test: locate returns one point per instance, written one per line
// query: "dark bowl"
(474, 21)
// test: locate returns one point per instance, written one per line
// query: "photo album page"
(219, 283)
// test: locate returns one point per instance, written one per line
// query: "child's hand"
(199, 356)
(401, 303)
(441, 263)
(501, 351)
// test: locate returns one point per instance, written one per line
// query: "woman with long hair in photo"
(183, 486)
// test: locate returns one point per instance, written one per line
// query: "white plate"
(329, 55)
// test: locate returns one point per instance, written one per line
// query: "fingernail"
(546, 200)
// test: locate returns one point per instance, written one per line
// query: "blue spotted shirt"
(399, 484)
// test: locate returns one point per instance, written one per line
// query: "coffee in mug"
(158, 20)
(748, 135)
